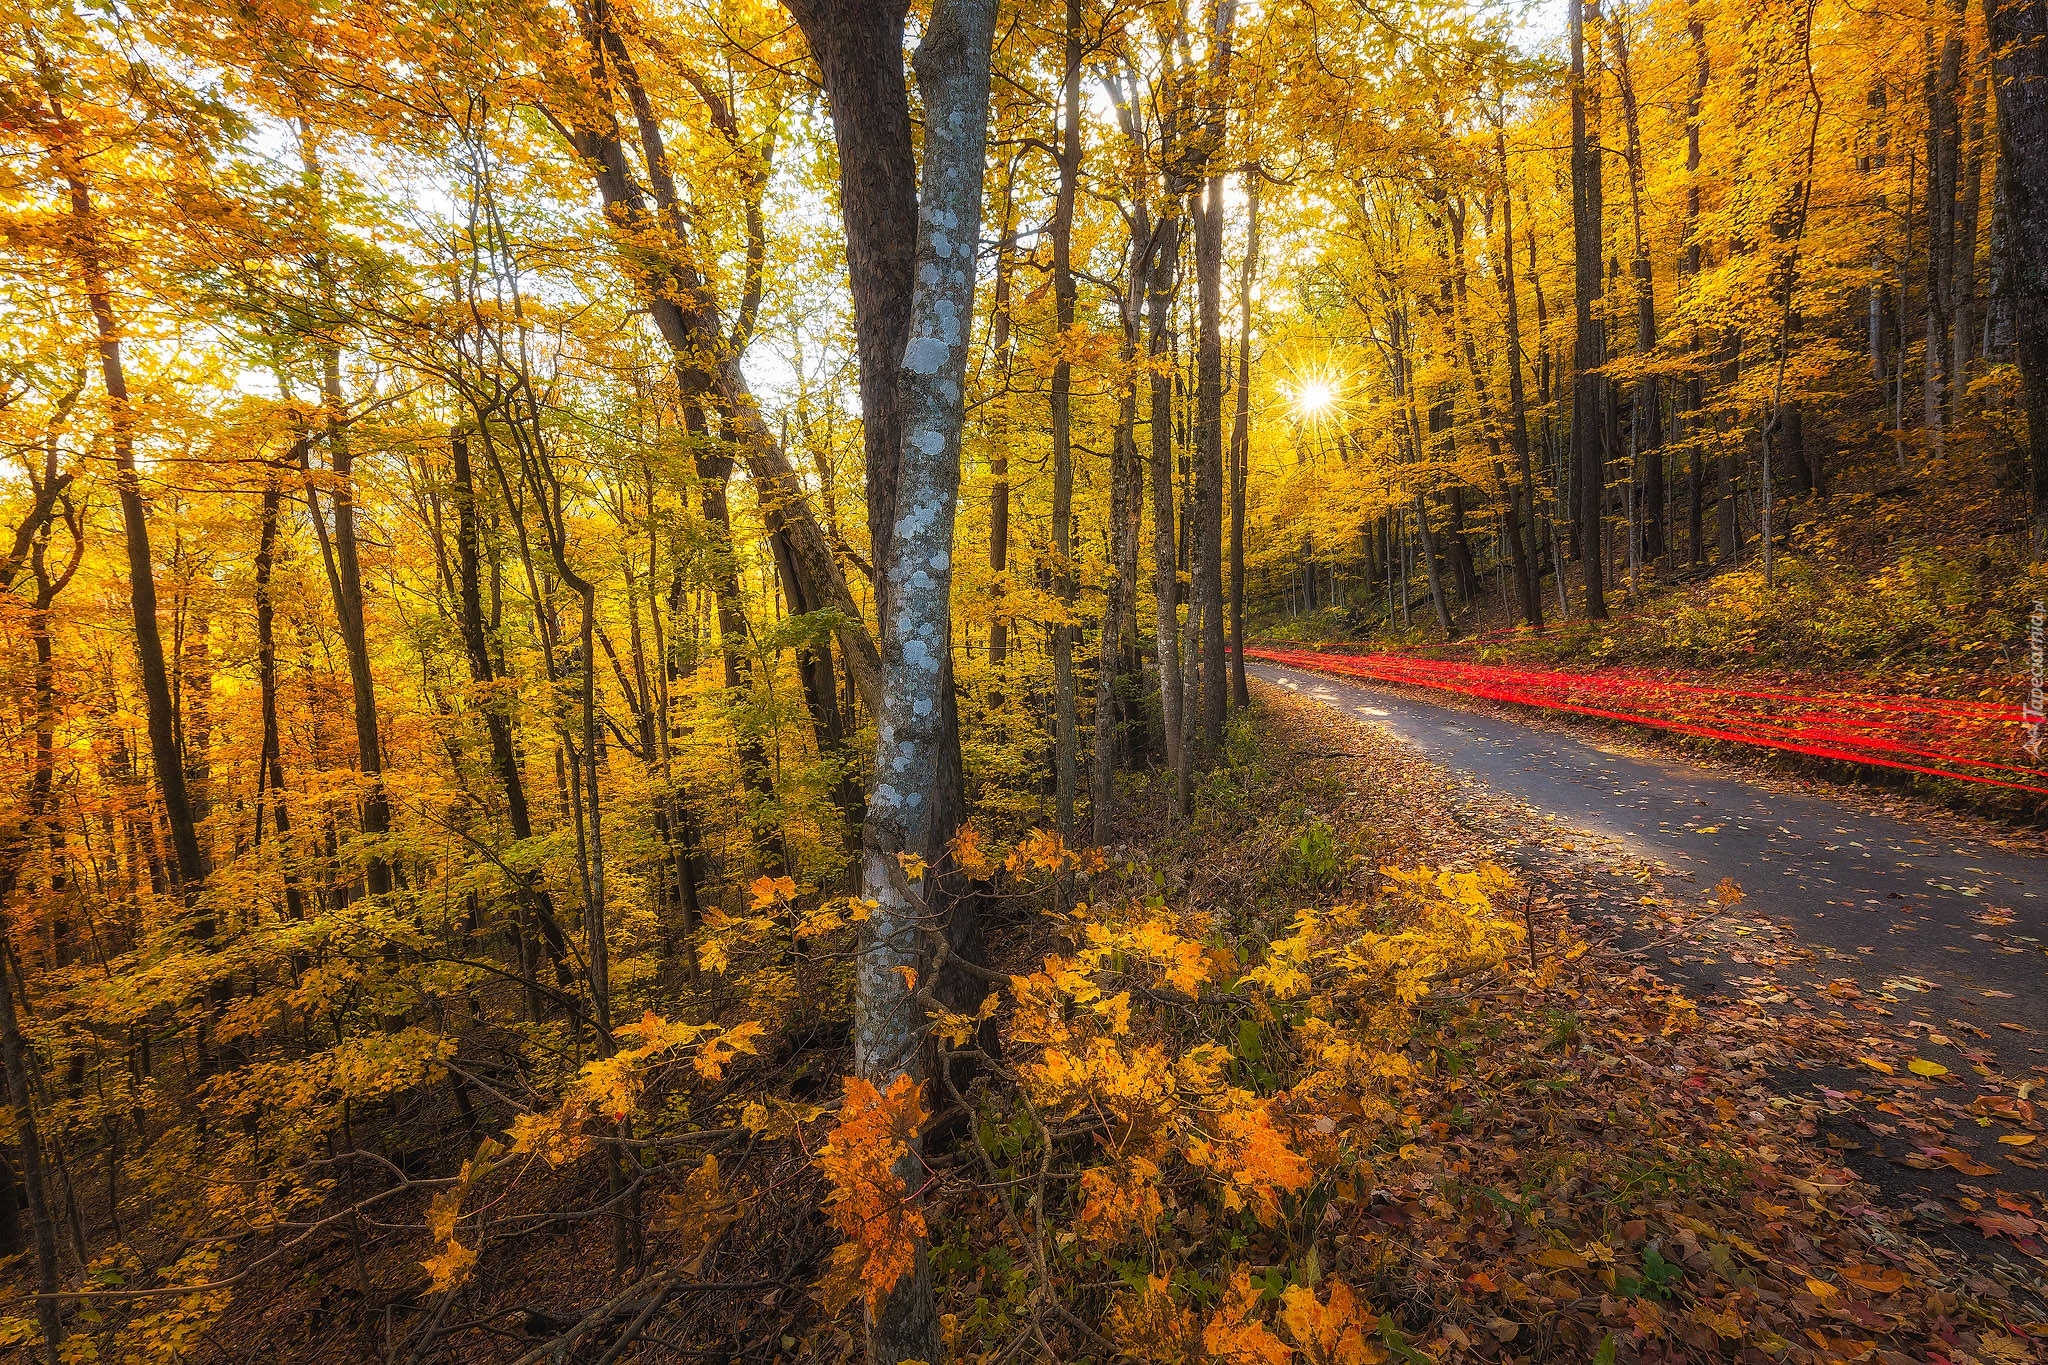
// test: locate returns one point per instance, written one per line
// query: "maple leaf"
(868, 1202)
(1233, 1334)
(772, 891)
(448, 1267)
(1330, 1334)
(968, 854)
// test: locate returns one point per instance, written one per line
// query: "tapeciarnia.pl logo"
(2032, 712)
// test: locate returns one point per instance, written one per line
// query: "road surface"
(1904, 903)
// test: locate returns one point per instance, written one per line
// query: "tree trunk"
(1206, 567)
(999, 452)
(1240, 438)
(42, 1222)
(2018, 39)
(1518, 434)
(270, 757)
(495, 708)
(735, 648)
(1436, 586)
(1482, 401)
(1696, 386)
(191, 865)
(346, 580)
(1646, 434)
(953, 71)
(1160, 288)
(1964, 285)
(1589, 386)
(1065, 723)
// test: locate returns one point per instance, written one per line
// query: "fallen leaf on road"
(1920, 1066)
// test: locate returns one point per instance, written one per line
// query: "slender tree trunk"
(1160, 289)
(189, 855)
(495, 708)
(270, 757)
(1944, 137)
(1436, 586)
(1207, 563)
(1065, 723)
(1964, 284)
(1646, 411)
(1696, 385)
(1118, 665)
(348, 609)
(1240, 437)
(1482, 401)
(42, 1222)
(1589, 386)
(999, 453)
(1518, 405)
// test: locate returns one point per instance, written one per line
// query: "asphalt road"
(1953, 930)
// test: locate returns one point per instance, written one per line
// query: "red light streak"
(1960, 740)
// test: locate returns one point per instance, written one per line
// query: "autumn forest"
(1103, 680)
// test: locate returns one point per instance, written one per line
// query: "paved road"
(1952, 929)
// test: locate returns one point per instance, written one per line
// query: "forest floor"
(1591, 1160)
(1611, 1151)
(1693, 1009)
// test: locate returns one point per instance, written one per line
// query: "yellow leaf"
(1820, 1289)
(913, 866)
(1920, 1066)
(1557, 1258)
(769, 891)
(448, 1267)
(2017, 1139)
(1876, 1065)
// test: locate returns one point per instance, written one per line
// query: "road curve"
(1953, 930)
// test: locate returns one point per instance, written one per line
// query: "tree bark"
(1696, 385)
(2018, 40)
(1646, 415)
(1065, 724)
(999, 453)
(1589, 386)
(953, 70)
(494, 706)
(346, 579)
(60, 135)
(1518, 401)
(1160, 289)
(1240, 438)
(1206, 564)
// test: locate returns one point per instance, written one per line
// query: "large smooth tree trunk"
(889, 1027)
